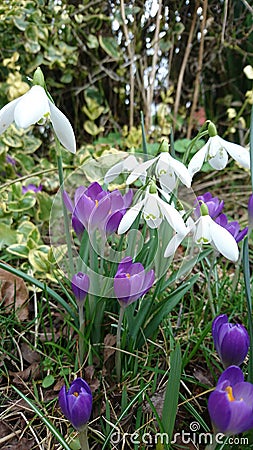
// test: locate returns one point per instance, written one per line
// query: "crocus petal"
(64, 403)
(62, 128)
(237, 152)
(234, 344)
(216, 326)
(32, 106)
(219, 410)
(130, 217)
(224, 242)
(7, 115)
(197, 160)
(68, 202)
(241, 418)
(233, 374)
(140, 170)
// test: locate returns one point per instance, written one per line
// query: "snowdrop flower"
(207, 231)
(126, 165)
(168, 169)
(154, 210)
(216, 151)
(35, 106)
(178, 238)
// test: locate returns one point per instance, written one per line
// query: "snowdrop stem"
(200, 134)
(118, 342)
(65, 214)
(83, 438)
(209, 290)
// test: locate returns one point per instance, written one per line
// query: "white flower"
(177, 239)
(207, 231)
(154, 210)
(126, 165)
(216, 151)
(34, 106)
(168, 169)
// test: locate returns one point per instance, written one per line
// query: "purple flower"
(131, 281)
(250, 211)
(76, 403)
(95, 208)
(230, 405)
(213, 204)
(231, 341)
(232, 227)
(10, 160)
(80, 284)
(31, 187)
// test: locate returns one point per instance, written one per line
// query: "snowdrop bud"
(212, 129)
(152, 188)
(164, 147)
(204, 209)
(38, 78)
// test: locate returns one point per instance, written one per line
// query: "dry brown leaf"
(13, 291)
(28, 354)
(32, 372)
(109, 346)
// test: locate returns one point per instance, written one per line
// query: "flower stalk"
(83, 438)
(118, 343)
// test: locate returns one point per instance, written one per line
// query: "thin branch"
(200, 63)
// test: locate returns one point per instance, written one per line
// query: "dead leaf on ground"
(109, 346)
(28, 354)
(13, 291)
(32, 371)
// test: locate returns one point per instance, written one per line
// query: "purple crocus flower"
(95, 208)
(31, 187)
(250, 211)
(76, 403)
(233, 227)
(80, 284)
(231, 341)
(131, 281)
(213, 204)
(230, 405)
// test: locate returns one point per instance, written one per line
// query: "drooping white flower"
(207, 231)
(34, 106)
(168, 169)
(154, 210)
(216, 151)
(178, 238)
(126, 165)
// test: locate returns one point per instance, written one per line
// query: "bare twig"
(200, 63)
(184, 62)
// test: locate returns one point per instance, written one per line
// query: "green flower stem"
(83, 438)
(246, 271)
(209, 290)
(65, 214)
(118, 339)
(213, 445)
(81, 334)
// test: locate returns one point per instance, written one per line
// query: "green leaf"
(31, 143)
(48, 381)
(7, 235)
(92, 128)
(110, 46)
(41, 415)
(172, 392)
(20, 250)
(23, 204)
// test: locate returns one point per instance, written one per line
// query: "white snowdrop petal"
(202, 231)
(173, 245)
(181, 171)
(197, 160)
(62, 128)
(7, 115)
(31, 107)
(220, 160)
(237, 152)
(224, 242)
(113, 172)
(173, 217)
(129, 217)
(140, 170)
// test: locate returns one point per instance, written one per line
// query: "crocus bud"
(76, 403)
(80, 284)
(230, 405)
(38, 77)
(231, 341)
